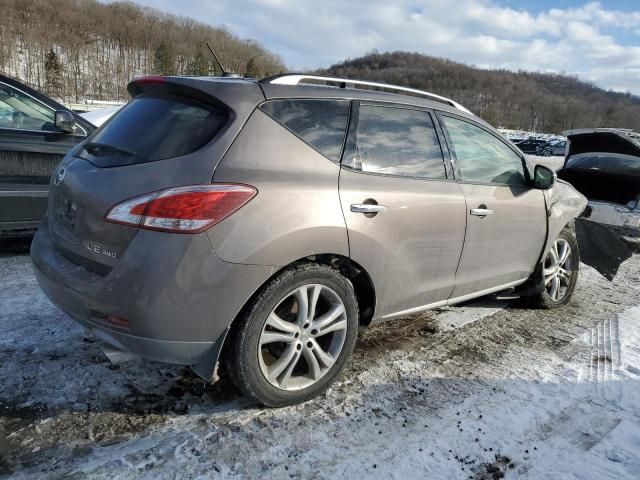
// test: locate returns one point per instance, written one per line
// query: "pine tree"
(53, 74)
(252, 69)
(198, 65)
(163, 63)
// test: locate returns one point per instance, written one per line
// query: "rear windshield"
(605, 162)
(153, 128)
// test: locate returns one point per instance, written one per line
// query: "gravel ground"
(516, 393)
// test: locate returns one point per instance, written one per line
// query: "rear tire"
(295, 336)
(559, 272)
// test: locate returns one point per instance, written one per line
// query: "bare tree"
(101, 47)
(521, 100)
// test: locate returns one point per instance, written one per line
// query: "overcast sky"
(599, 41)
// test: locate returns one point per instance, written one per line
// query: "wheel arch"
(363, 287)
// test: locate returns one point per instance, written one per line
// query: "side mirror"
(543, 177)
(65, 121)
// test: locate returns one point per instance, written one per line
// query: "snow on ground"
(554, 162)
(524, 134)
(521, 393)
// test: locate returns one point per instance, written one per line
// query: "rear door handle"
(367, 208)
(481, 212)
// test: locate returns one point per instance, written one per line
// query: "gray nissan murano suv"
(259, 224)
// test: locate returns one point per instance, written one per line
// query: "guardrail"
(92, 105)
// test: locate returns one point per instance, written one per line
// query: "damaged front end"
(604, 165)
(623, 220)
(600, 247)
(611, 182)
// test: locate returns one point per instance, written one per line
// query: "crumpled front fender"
(564, 204)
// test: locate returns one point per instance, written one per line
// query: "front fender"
(564, 204)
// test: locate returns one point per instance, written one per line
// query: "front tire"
(559, 272)
(296, 336)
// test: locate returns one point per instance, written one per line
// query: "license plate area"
(67, 213)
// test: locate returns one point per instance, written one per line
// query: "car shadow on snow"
(63, 389)
(15, 246)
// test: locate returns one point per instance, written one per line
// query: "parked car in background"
(530, 145)
(35, 134)
(553, 147)
(604, 165)
(270, 219)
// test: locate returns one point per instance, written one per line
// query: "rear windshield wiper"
(92, 147)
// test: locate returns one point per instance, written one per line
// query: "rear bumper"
(177, 296)
(78, 308)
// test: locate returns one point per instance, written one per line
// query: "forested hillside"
(521, 100)
(73, 49)
(82, 49)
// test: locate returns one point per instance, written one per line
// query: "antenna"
(224, 72)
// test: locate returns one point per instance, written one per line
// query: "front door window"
(21, 112)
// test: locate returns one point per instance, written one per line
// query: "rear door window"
(320, 123)
(481, 157)
(153, 128)
(395, 141)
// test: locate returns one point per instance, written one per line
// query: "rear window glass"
(153, 128)
(320, 123)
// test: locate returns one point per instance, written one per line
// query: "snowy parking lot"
(515, 393)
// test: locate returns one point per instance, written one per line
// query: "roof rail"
(297, 78)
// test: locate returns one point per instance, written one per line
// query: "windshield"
(151, 128)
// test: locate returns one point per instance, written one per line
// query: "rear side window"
(152, 128)
(481, 157)
(395, 141)
(320, 123)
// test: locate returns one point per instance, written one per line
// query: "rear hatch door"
(173, 132)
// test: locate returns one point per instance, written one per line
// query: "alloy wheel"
(557, 270)
(302, 337)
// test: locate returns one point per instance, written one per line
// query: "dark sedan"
(531, 145)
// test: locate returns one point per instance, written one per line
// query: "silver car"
(259, 224)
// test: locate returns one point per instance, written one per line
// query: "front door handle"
(367, 208)
(481, 212)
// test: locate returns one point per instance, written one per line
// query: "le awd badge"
(100, 250)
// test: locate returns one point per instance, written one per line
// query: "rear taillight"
(190, 209)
